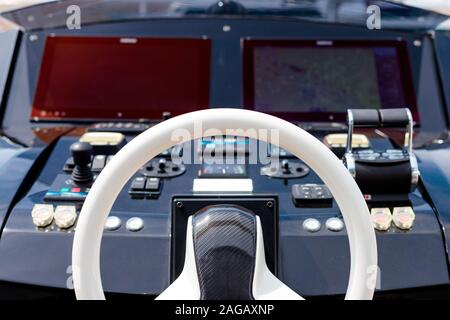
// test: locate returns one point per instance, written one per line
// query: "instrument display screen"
(223, 171)
(121, 78)
(319, 80)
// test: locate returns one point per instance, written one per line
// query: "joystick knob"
(162, 164)
(81, 154)
(285, 166)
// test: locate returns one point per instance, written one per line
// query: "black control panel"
(286, 169)
(142, 187)
(296, 209)
(163, 168)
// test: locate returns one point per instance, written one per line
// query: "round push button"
(311, 225)
(113, 223)
(334, 224)
(65, 216)
(135, 224)
(42, 215)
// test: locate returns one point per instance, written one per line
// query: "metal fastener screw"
(269, 204)
(179, 204)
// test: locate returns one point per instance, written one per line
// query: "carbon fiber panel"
(225, 249)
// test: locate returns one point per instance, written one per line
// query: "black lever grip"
(364, 117)
(394, 118)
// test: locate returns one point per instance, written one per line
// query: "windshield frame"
(394, 16)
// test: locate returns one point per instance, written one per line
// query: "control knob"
(162, 165)
(285, 166)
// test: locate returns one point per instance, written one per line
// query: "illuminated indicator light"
(76, 189)
(64, 189)
(403, 217)
(336, 140)
(381, 218)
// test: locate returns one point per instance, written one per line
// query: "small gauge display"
(223, 171)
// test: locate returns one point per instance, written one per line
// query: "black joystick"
(82, 154)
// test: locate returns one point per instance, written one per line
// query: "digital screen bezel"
(74, 115)
(249, 44)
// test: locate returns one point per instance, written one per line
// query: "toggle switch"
(138, 184)
(285, 166)
(152, 184)
(162, 165)
(98, 163)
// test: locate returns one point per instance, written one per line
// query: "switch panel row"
(311, 195)
(142, 187)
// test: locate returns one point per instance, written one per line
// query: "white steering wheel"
(98, 203)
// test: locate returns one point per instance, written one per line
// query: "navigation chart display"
(320, 81)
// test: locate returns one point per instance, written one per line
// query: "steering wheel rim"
(147, 145)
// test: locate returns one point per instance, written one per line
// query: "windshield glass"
(394, 15)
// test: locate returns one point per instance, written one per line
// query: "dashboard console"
(303, 226)
(95, 93)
